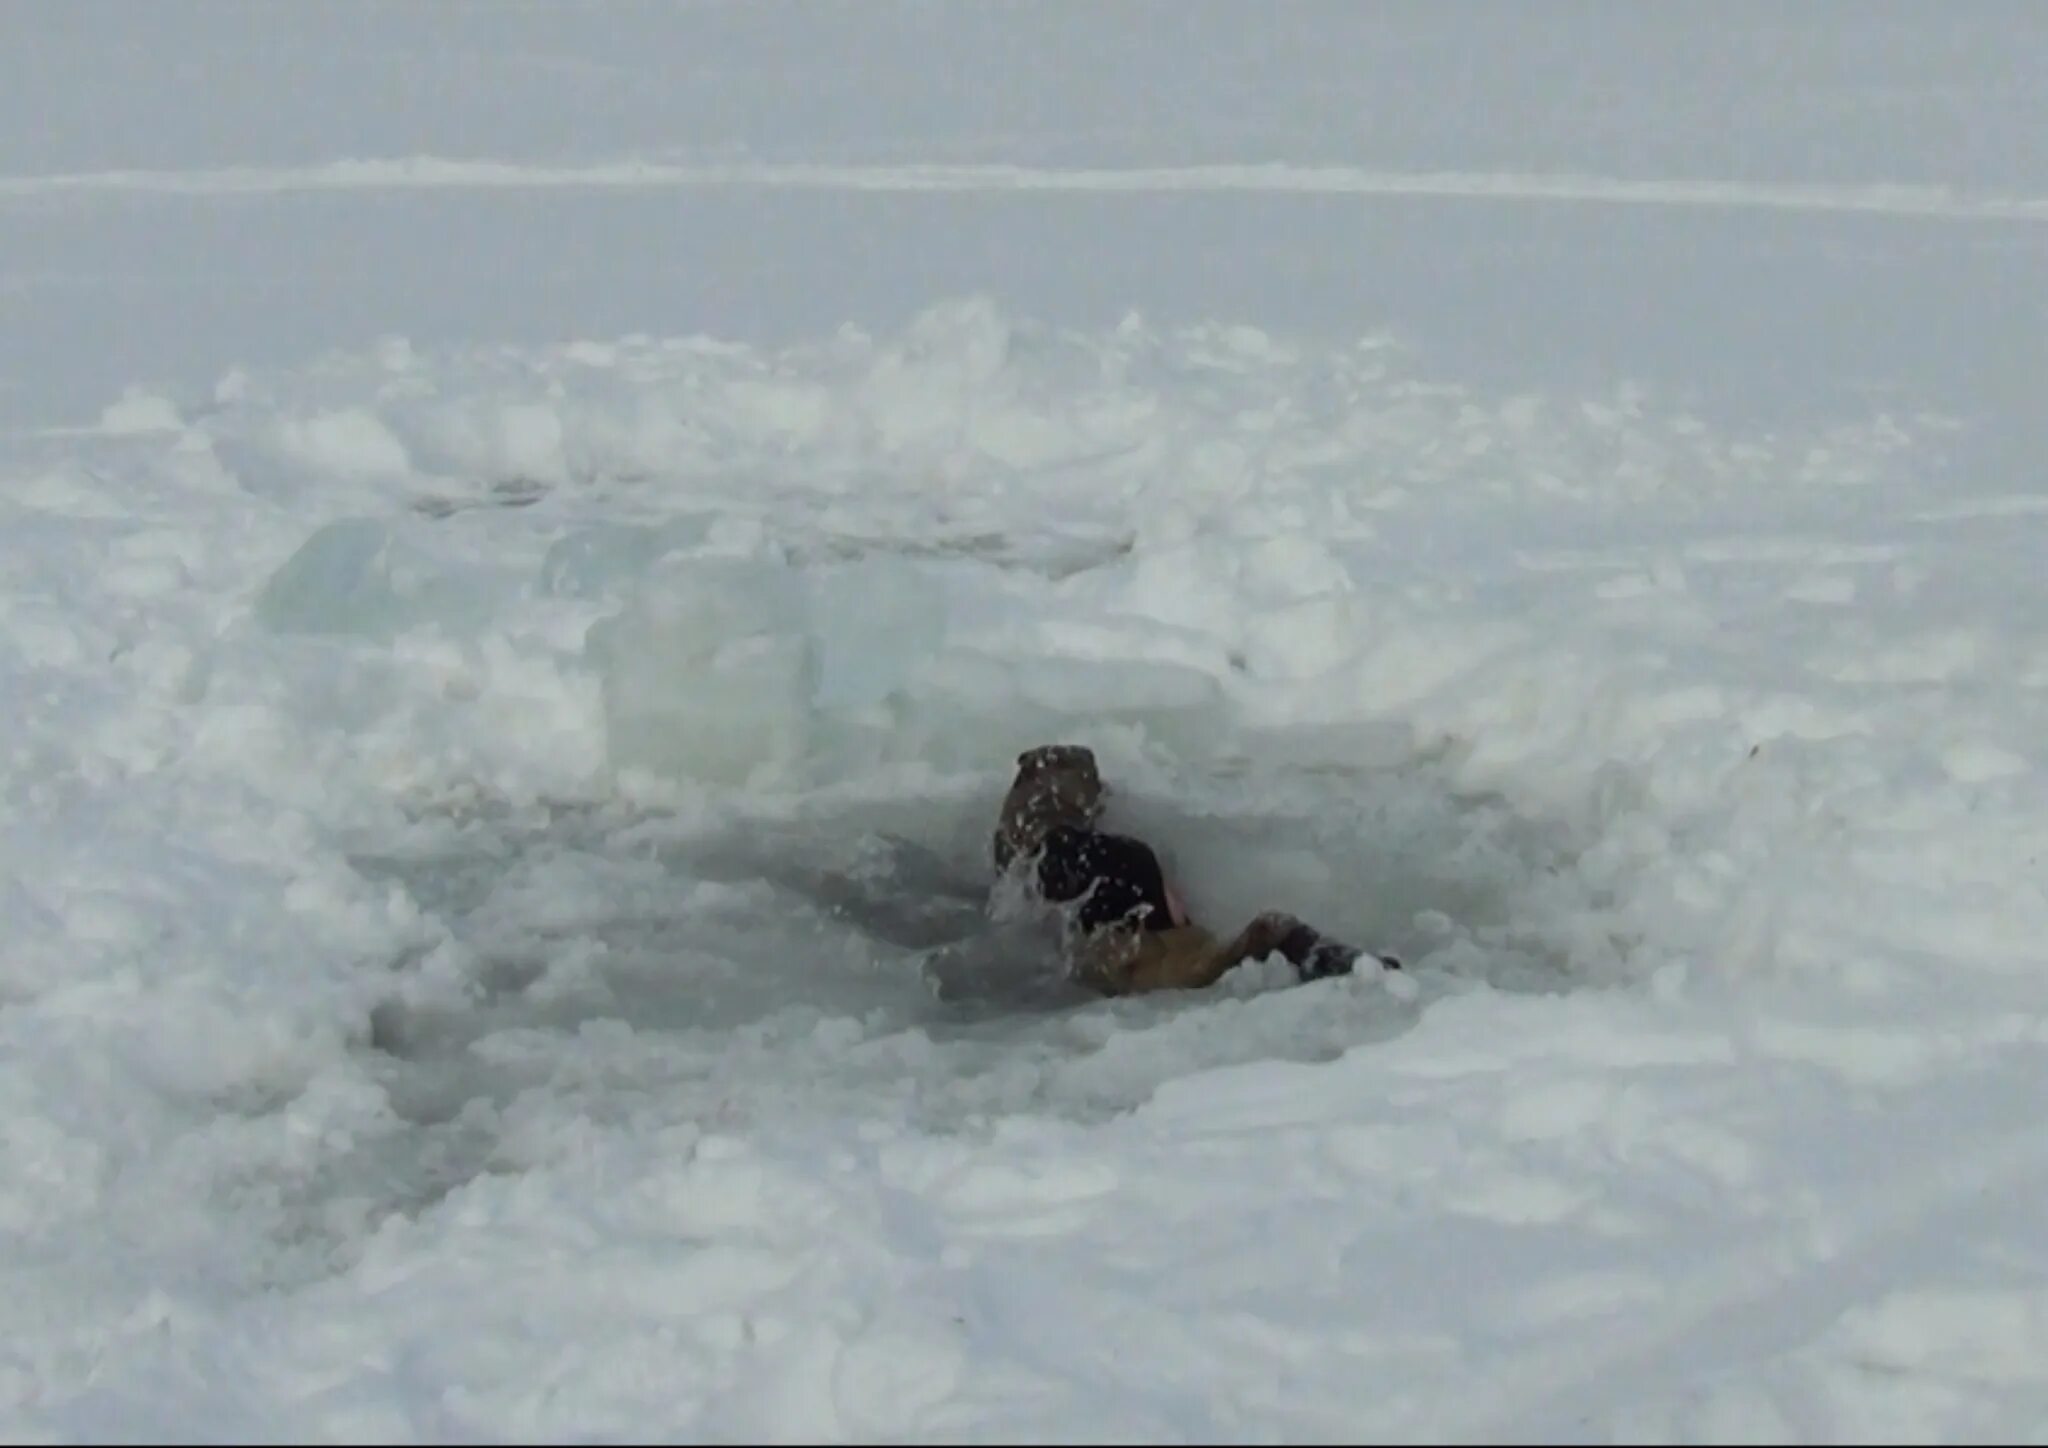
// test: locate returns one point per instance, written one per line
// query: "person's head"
(1056, 784)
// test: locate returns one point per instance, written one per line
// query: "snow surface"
(531, 536)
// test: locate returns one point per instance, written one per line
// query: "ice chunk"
(974, 706)
(1136, 687)
(877, 620)
(709, 673)
(959, 728)
(609, 558)
(356, 577)
(717, 667)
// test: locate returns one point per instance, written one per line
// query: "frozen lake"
(532, 537)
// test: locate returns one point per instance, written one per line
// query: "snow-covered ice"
(531, 541)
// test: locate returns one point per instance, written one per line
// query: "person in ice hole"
(1126, 928)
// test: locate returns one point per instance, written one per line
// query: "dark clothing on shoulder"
(1117, 880)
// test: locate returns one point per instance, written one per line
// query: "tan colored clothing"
(1128, 962)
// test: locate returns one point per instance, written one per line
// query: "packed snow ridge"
(444, 173)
